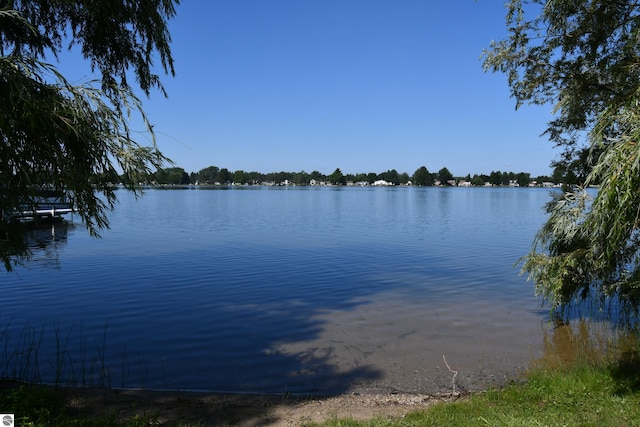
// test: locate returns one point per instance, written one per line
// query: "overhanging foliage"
(74, 139)
(583, 57)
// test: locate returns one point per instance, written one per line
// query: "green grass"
(587, 390)
(581, 396)
(580, 381)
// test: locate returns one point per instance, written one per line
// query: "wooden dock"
(50, 206)
(42, 213)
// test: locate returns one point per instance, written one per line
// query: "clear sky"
(363, 85)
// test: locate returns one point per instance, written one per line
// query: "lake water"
(266, 289)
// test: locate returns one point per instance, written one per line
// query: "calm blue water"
(294, 289)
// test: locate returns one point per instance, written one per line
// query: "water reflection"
(47, 242)
(294, 289)
(583, 340)
(35, 245)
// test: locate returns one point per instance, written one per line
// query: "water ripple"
(294, 289)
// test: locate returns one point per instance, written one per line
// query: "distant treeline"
(421, 177)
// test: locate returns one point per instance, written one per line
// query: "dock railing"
(50, 206)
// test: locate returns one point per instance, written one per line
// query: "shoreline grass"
(47, 355)
(592, 383)
(583, 394)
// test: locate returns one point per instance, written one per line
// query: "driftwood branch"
(455, 374)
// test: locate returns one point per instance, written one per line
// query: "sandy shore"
(215, 409)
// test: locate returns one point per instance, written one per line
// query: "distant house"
(381, 183)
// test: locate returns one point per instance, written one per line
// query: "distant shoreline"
(229, 186)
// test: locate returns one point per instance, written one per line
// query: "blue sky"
(363, 85)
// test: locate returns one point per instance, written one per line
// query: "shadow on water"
(83, 359)
(264, 294)
(34, 244)
(238, 336)
(255, 354)
(77, 354)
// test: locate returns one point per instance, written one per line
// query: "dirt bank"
(167, 408)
